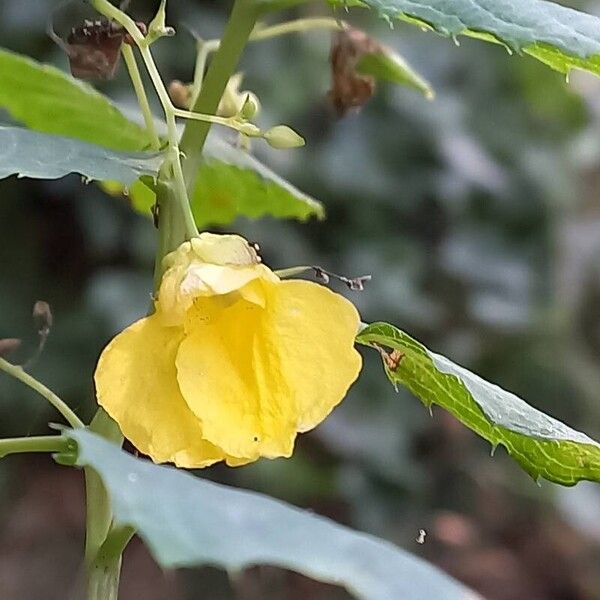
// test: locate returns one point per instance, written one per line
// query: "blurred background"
(478, 217)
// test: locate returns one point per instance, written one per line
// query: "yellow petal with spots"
(136, 384)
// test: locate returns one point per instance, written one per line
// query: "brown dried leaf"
(350, 90)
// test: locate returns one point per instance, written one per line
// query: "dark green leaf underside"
(46, 99)
(187, 521)
(561, 37)
(32, 154)
(542, 445)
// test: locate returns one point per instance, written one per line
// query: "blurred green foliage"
(476, 214)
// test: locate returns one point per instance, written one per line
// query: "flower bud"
(283, 137)
(180, 94)
(42, 315)
(250, 107)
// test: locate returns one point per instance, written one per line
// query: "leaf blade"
(47, 99)
(543, 446)
(561, 37)
(187, 521)
(234, 183)
(41, 156)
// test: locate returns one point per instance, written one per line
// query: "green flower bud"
(283, 137)
(250, 107)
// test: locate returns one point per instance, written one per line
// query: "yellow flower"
(233, 363)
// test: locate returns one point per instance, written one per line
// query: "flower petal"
(136, 383)
(255, 376)
(314, 330)
(179, 286)
(245, 406)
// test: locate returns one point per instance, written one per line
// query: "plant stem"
(239, 27)
(171, 227)
(259, 34)
(186, 114)
(204, 49)
(104, 571)
(297, 26)
(292, 271)
(103, 580)
(98, 509)
(140, 92)
(61, 406)
(115, 543)
(179, 192)
(42, 443)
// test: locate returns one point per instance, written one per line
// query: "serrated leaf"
(387, 65)
(543, 446)
(232, 183)
(187, 521)
(47, 99)
(561, 37)
(32, 154)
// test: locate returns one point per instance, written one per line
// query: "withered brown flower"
(350, 90)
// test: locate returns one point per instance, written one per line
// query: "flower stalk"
(42, 443)
(24, 377)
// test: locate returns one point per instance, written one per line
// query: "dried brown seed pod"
(94, 48)
(42, 315)
(350, 90)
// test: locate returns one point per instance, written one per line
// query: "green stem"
(239, 27)
(292, 271)
(18, 373)
(140, 92)
(42, 443)
(115, 543)
(297, 26)
(263, 33)
(171, 179)
(103, 580)
(204, 49)
(98, 509)
(172, 227)
(225, 121)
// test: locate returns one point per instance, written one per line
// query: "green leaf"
(542, 445)
(46, 99)
(387, 65)
(31, 154)
(233, 183)
(561, 37)
(187, 521)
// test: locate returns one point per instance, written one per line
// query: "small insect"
(94, 48)
(421, 537)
